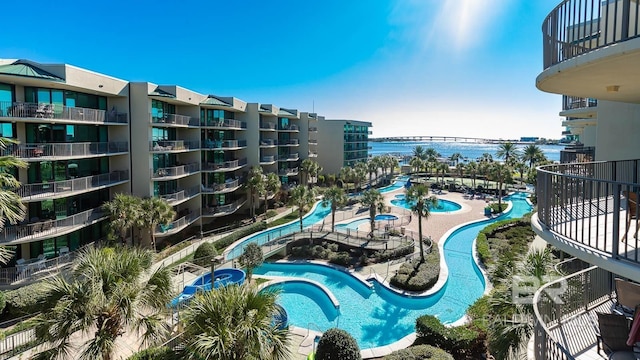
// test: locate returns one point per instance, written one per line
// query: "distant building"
(529, 139)
(342, 143)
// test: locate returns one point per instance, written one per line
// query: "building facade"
(342, 143)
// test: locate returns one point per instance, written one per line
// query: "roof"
(20, 68)
(162, 93)
(212, 100)
(283, 112)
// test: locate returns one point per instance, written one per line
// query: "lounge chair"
(627, 297)
(613, 333)
(632, 212)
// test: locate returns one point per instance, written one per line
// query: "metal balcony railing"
(226, 165)
(230, 184)
(588, 203)
(290, 142)
(313, 129)
(267, 126)
(577, 27)
(174, 119)
(288, 157)
(177, 225)
(227, 209)
(181, 195)
(173, 145)
(48, 228)
(313, 154)
(267, 159)
(288, 171)
(177, 170)
(57, 188)
(574, 102)
(28, 151)
(290, 127)
(223, 144)
(224, 123)
(313, 142)
(268, 142)
(58, 112)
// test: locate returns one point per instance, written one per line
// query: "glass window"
(7, 130)
(6, 98)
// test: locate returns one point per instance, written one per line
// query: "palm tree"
(372, 168)
(500, 173)
(308, 167)
(392, 162)
(337, 198)
(108, 292)
(455, 157)
(302, 197)
(421, 204)
(123, 212)
(533, 154)
(431, 153)
(153, 212)
(472, 169)
(346, 175)
(486, 158)
(507, 151)
(374, 200)
(416, 163)
(234, 323)
(255, 185)
(271, 186)
(11, 206)
(443, 169)
(359, 174)
(521, 167)
(460, 167)
(419, 152)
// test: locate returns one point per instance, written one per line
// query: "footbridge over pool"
(439, 138)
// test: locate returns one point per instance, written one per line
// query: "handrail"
(45, 190)
(212, 166)
(181, 195)
(177, 170)
(224, 123)
(50, 227)
(20, 109)
(169, 145)
(223, 144)
(267, 126)
(225, 209)
(577, 27)
(174, 119)
(268, 142)
(40, 150)
(177, 224)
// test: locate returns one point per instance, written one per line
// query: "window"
(6, 98)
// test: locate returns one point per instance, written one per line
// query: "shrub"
(271, 213)
(342, 258)
(154, 353)
(461, 341)
(204, 253)
(337, 344)
(384, 255)
(25, 300)
(417, 276)
(239, 234)
(419, 352)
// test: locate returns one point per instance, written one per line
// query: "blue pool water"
(378, 316)
(443, 205)
(353, 225)
(398, 184)
(381, 217)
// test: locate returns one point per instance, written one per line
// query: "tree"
(255, 186)
(374, 200)
(455, 157)
(234, 323)
(500, 173)
(419, 152)
(309, 168)
(443, 169)
(416, 163)
(337, 344)
(460, 167)
(421, 203)
(372, 167)
(472, 169)
(11, 206)
(359, 174)
(302, 197)
(124, 212)
(533, 154)
(486, 158)
(346, 175)
(108, 292)
(204, 254)
(153, 212)
(271, 186)
(336, 197)
(507, 151)
(392, 162)
(251, 258)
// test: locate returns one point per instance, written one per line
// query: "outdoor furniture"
(613, 333)
(632, 213)
(627, 296)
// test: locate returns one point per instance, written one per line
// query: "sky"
(411, 67)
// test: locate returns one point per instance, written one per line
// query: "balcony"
(59, 151)
(313, 129)
(60, 189)
(586, 41)
(288, 157)
(577, 153)
(584, 209)
(224, 144)
(176, 226)
(170, 173)
(313, 154)
(181, 196)
(46, 229)
(31, 111)
(266, 160)
(290, 142)
(225, 166)
(267, 143)
(162, 146)
(175, 120)
(230, 185)
(230, 124)
(267, 126)
(313, 142)
(289, 128)
(288, 172)
(223, 210)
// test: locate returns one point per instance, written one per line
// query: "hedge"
(155, 353)
(419, 352)
(417, 276)
(337, 344)
(239, 234)
(25, 300)
(204, 254)
(461, 341)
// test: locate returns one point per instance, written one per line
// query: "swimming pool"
(443, 205)
(353, 225)
(398, 184)
(378, 316)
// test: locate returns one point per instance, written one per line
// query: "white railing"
(174, 119)
(181, 195)
(268, 142)
(267, 126)
(177, 225)
(173, 145)
(59, 112)
(51, 227)
(313, 129)
(268, 158)
(223, 144)
(224, 209)
(26, 151)
(44, 190)
(177, 170)
(225, 165)
(224, 123)
(313, 142)
(289, 171)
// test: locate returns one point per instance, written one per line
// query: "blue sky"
(413, 67)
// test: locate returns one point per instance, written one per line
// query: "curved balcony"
(591, 49)
(46, 229)
(163, 146)
(228, 186)
(176, 226)
(268, 159)
(225, 166)
(64, 114)
(288, 157)
(587, 210)
(181, 196)
(61, 151)
(223, 210)
(229, 124)
(174, 120)
(224, 144)
(175, 172)
(60, 189)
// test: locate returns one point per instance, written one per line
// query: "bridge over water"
(439, 138)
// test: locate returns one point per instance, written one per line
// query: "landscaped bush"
(25, 300)
(417, 276)
(384, 255)
(155, 353)
(461, 341)
(239, 234)
(342, 258)
(419, 352)
(271, 213)
(337, 344)
(498, 208)
(204, 254)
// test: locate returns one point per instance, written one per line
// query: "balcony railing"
(288, 157)
(268, 142)
(181, 195)
(290, 142)
(58, 188)
(223, 166)
(290, 127)
(51, 228)
(313, 142)
(227, 186)
(227, 209)
(28, 151)
(587, 203)
(313, 154)
(177, 170)
(173, 145)
(223, 144)
(313, 129)
(574, 102)
(577, 153)
(268, 159)
(174, 119)
(555, 303)
(225, 123)
(267, 126)
(177, 225)
(59, 112)
(577, 27)
(288, 171)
